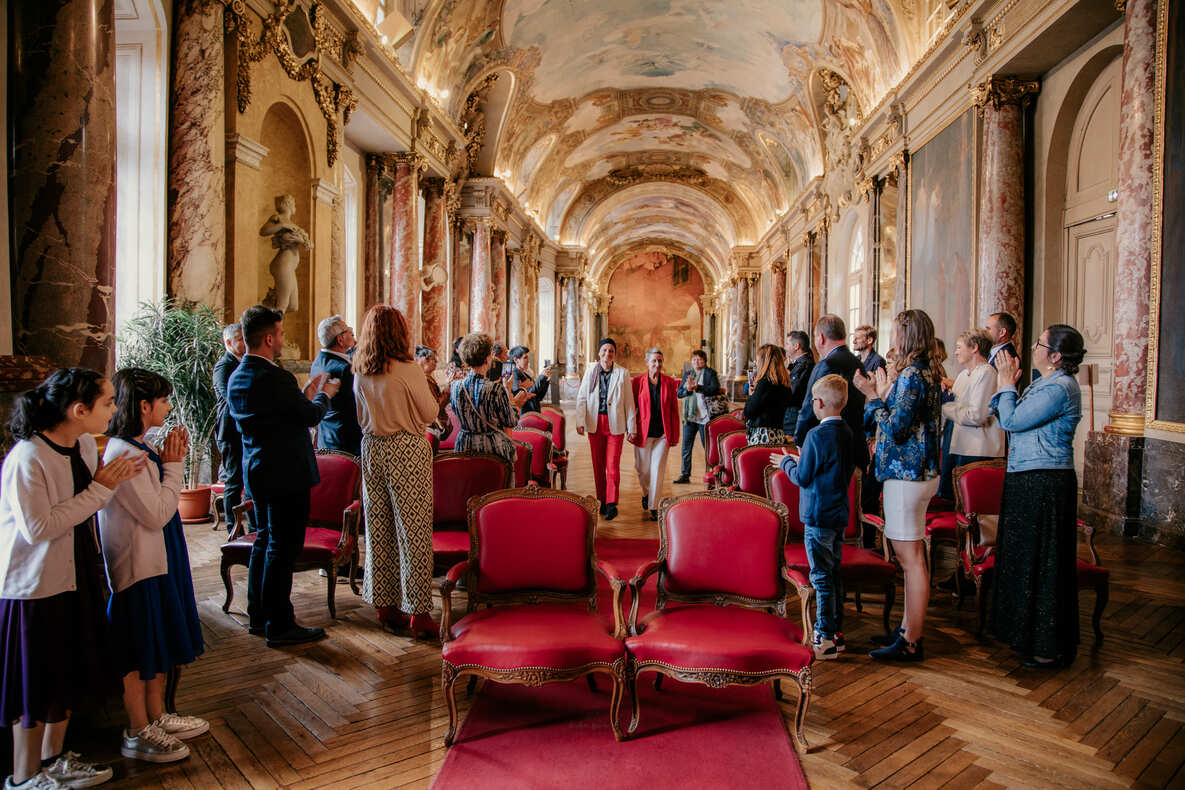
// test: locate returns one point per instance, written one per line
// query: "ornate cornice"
(409, 159)
(1000, 91)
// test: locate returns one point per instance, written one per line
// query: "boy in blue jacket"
(823, 472)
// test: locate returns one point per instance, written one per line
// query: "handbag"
(717, 405)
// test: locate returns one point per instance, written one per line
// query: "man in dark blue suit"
(835, 357)
(1001, 328)
(226, 432)
(274, 418)
(339, 429)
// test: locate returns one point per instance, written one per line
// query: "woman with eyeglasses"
(1035, 606)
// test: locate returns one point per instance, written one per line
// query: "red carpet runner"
(558, 736)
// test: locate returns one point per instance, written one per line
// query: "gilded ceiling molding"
(408, 159)
(999, 91)
(332, 97)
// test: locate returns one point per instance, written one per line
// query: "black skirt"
(1035, 599)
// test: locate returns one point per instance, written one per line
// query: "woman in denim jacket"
(1035, 607)
(907, 414)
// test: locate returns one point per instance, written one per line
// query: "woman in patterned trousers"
(395, 406)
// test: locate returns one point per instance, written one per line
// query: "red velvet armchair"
(722, 563)
(331, 537)
(522, 463)
(531, 612)
(456, 477)
(861, 570)
(749, 464)
(450, 441)
(717, 427)
(540, 444)
(725, 444)
(559, 445)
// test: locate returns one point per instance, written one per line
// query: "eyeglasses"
(1042, 345)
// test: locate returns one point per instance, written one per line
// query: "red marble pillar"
(499, 310)
(571, 305)
(777, 293)
(378, 189)
(405, 231)
(434, 306)
(61, 110)
(481, 291)
(1001, 282)
(1133, 236)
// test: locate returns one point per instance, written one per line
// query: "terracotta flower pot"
(195, 505)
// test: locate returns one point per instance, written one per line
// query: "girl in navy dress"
(152, 610)
(53, 638)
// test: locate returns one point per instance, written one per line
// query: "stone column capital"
(432, 186)
(999, 91)
(409, 159)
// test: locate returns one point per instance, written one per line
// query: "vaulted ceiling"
(691, 123)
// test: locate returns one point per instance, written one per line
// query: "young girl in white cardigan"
(51, 588)
(152, 609)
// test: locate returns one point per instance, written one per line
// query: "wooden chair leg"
(448, 677)
(354, 573)
(230, 589)
(331, 588)
(592, 683)
(631, 682)
(859, 603)
(614, 704)
(981, 597)
(171, 681)
(804, 700)
(1102, 595)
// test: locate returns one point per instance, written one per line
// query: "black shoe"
(1033, 663)
(296, 635)
(886, 639)
(257, 630)
(610, 511)
(602, 508)
(681, 480)
(645, 500)
(900, 651)
(654, 515)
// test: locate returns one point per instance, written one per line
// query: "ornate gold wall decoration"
(999, 91)
(275, 36)
(627, 176)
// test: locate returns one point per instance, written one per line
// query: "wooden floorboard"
(363, 709)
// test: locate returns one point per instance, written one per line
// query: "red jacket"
(669, 398)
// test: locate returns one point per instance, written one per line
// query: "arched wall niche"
(655, 302)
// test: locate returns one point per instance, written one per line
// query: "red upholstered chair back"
(340, 486)
(540, 444)
(522, 463)
(534, 539)
(979, 488)
(450, 441)
(559, 425)
(717, 427)
(433, 440)
(779, 489)
(725, 444)
(749, 464)
(458, 476)
(722, 543)
(533, 419)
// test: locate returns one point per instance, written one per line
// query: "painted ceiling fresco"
(711, 104)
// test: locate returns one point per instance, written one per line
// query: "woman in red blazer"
(657, 431)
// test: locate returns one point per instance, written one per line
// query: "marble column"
(514, 268)
(778, 296)
(405, 231)
(62, 141)
(481, 291)
(196, 265)
(1001, 283)
(1116, 494)
(571, 322)
(459, 278)
(754, 322)
(434, 302)
(498, 312)
(737, 309)
(337, 258)
(899, 286)
(374, 243)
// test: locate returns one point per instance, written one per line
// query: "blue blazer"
(274, 418)
(845, 363)
(339, 428)
(226, 433)
(823, 473)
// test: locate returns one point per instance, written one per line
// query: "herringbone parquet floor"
(363, 708)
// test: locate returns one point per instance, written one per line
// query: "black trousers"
(232, 476)
(280, 522)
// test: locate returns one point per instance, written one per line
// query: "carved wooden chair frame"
(530, 676)
(547, 449)
(768, 446)
(560, 472)
(967, 525)
(725, 459)
(708, 442)
(714, 677)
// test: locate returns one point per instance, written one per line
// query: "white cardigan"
(621, 401)
(38, 513)
(977, 432)
(132, 524)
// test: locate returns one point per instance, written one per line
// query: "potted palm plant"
(181, 343)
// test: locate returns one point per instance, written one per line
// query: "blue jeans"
(690, 429)
(824, 550)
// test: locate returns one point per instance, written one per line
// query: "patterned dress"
(483, 409)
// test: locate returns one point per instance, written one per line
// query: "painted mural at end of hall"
(656, 303)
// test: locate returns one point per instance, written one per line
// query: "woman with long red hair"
(394, 408)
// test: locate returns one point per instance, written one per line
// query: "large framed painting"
(941, 275)
(656, 303)
(1166, 359)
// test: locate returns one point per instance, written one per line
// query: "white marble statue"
(287, 239)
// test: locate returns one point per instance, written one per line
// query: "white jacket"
(977, 432)
(132, 524)
(38, 513)
(621, 401)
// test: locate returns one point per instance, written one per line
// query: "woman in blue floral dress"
(907, 414)
(484, 409)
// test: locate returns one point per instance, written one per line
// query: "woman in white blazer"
(977, 435)
(605, 410)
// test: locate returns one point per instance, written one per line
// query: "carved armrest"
(240, 519)
(617, 585)
(351, 516)
(636, 584)
(874, 520)
(446, 598)
(806, 593)
(1088, 530)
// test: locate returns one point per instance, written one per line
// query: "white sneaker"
(70, 771)
(38, 781)
(182, 727)
(824, 648)
(153, 745)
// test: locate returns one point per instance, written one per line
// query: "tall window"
(855, 279)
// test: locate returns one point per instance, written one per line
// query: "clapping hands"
(116, 471)
(175, 446)
(877, 387)
(775, 459)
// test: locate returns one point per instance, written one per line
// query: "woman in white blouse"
(977, 435)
